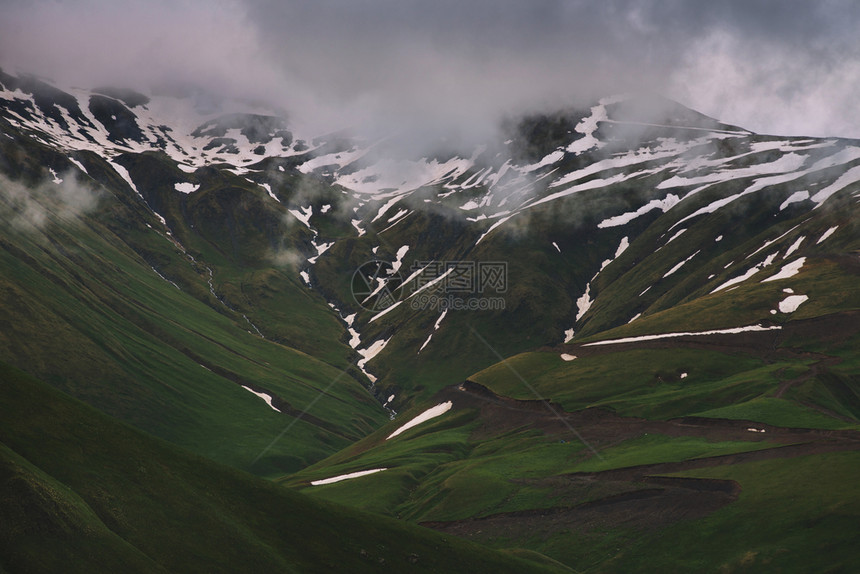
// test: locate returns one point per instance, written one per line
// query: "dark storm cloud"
(780, 66)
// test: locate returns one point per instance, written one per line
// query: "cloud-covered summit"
(785, 67)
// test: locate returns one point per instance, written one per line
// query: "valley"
(620, 338)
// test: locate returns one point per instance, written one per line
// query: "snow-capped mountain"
(560, 315)
(634, 196)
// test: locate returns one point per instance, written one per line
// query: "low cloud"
(59, 201)
(456, 67)
(289, 258)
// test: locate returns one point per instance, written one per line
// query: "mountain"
(614, 329)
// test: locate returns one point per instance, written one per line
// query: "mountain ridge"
(201, 274)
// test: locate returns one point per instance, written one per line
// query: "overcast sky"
(784, 67)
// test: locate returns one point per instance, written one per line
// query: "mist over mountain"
(380, 65)
(451, 287)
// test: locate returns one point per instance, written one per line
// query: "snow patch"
(794, 246)
(271, 193)
(827, 234)
(679, 265)
(303, 214)
(368, 353)
(346, 476)
(399, 259)
(663, 205)
(79, 165)
(732, 331)
(185, 187)
(584, 302)
(791, 303)
(430, 413)
(789, 270)
(795, 197)
(846, 179)
(263, 396)
(566, 357)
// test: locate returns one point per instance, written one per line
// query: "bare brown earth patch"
(631, 498)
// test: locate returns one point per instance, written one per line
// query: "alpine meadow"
(416, 315)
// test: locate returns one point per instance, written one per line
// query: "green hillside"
(84, 493)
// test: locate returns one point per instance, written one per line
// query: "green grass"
(795, 515)
(651, 449)
(777, 412)
(645, 383)
(82, 492)
(82, 309)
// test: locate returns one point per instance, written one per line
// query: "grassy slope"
(85, 493)
(791, 517)
(450, 469)
(82, 309)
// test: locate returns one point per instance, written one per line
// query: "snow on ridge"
(663, 205)
(827, 234)
(755, 268)
(271, 193)
(788, 163)
(770, 242)
(398, 261)
(794, 246)
(426, 342)
(439, 320)
(583, 304)
(789, 270)
(679, 265)
(549, 159)
(303, 214)
(369, 353)
(739, 279)
(674, 237)
(732, 331)
(385, 311)
(795, 197)
(79, 165)
(430, 413)
(346, 476)
(622, 247)
(435, 328)
(321, 248)
(589, 124)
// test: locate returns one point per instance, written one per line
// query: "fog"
(454, 67)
